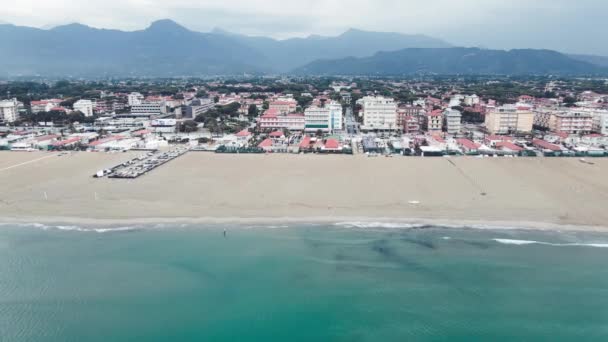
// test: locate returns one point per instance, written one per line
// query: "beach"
(207, 187)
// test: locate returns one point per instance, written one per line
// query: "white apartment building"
(600, 119)
(326, 119)
(9, 110)
(84, 106)
(471, 100)
(147, 109)
(336, 116)
(508, 119)
(378, 113)
(453, 121)
(600, 122)
(456, 100)
(135, 99)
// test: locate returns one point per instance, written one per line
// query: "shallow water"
(301, 283)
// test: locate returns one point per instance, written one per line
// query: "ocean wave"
(532, 242)
(73, 228)
(394, 225)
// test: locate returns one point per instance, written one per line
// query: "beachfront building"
(570, 121)
(599, 118)
(84, 106)
(453, 121)
(327, 119)
(509, 118)
(408, 118)
(379, 113)
(434, 121)
(600, 121)
(9, 110)
(273, 120)
(135, 99)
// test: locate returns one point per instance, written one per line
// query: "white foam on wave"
(72, 228)
(532, 242)
(361, 224)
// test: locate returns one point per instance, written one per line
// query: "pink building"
(284, 106)
(273, 119)
(434, 121)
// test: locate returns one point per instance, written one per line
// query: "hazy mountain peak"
(166, 25)
(71, 27)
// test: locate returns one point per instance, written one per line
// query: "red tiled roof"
(468, 144)
(305, 142)
(546, 145)
(266, 143)
(282, 103)
(47, 137)
(106, 140)
(243, 133)
(437, 112)
(277, 134)
(142, 132)
(271, 113)
(438, 138)
(509, 145)
(332, 144)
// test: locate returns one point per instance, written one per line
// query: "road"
(350, 122)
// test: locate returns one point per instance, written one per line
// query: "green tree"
(252, 111)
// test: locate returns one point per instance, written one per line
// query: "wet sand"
(202, 187)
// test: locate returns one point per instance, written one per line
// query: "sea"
(350, 281)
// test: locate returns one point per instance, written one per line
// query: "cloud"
(565, 25)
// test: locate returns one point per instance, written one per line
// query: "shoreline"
(88, 224)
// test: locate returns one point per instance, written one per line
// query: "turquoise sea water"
(301, 283)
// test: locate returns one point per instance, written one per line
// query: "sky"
(572, 26)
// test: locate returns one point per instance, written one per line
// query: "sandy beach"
(206, 187)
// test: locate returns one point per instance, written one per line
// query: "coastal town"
(329, 116)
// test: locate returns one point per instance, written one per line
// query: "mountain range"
(167, 49)
(455, 61)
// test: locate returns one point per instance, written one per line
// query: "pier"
(139, 166)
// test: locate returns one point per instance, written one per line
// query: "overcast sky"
(575, 26)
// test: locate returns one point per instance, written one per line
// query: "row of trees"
(57, 117)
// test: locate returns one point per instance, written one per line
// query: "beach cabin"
(266, 145)
(467, 146)
(548, 149)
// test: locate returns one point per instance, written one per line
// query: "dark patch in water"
(390, 254)
(420, 242)
(192, 268)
